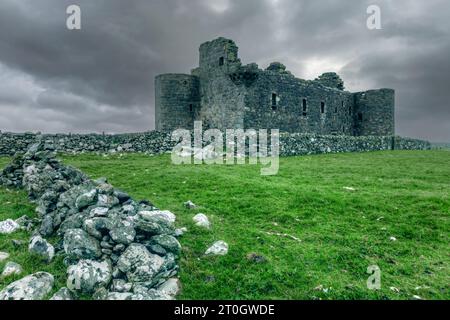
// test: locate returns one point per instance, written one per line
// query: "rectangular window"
(322, 107)
(221, 61)
(191, 108)
(274, 101)
(349, 111)
(304, 107)
(360, 116)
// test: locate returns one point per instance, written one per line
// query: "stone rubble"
(219, 248)
(202, 221)
(3, 256)
(113, 246)
(33, 287)
(11, 268)
(8, 226)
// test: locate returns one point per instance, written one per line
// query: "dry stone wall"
(154, 142)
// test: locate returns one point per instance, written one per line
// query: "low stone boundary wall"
(155, 142)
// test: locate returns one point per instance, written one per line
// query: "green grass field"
(340, 233)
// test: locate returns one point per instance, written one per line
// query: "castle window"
(191, 107)
(305, 107)
(360, 116)
(221, 61)
(274, 101)
(350, 111)
(335, 109)
(322, 107)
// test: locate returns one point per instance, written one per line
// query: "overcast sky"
(101, 77)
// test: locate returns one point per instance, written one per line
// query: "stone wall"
(305, 144)
(155, 142)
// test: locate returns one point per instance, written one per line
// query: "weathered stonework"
(225, 94)
(161, 142)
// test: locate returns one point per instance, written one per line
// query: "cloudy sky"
(100, 78)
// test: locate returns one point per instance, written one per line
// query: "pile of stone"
(114, 247)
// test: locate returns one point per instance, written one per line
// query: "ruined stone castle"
(225, 94)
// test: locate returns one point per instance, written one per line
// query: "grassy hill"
(319, 224)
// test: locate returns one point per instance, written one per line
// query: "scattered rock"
(393, 239)
(190, 205)
(87, 276)
(3, 256)
(33, 287)
(220, 248)
(202, 221)
(63, 294)
(8, 226)
(11, 268)
(180, 232)
(256, 258)
(42, 248)
(394, 289)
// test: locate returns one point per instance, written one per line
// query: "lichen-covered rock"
(120, 285)
(123, 232)
(168, 242)
(139, 264)
(8, 226)
(33, 287)
(11, 268)
(86, 199)
(42, 248)
(80, 245)
(202, 221)
(120, 296)
(63, 294)
(219, 248)
(171, 287)
(87, 276)
(163, 214)
(154, 225)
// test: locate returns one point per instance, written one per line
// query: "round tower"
(176, 101)
(375, 113)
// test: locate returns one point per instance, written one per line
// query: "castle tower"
(374, 113)
(176, 101)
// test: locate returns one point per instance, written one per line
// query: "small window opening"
(350, 111)
(305, 107)
(360, 116)
(274, 101)
(191, 108)
(221, 61)
(335, 109)
(322, 107)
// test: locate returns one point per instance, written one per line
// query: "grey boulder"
(139, 264)
(79, 245)
(87, 276)
(42, 248)
(33, 287)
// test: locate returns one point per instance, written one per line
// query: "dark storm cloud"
(101, 78)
